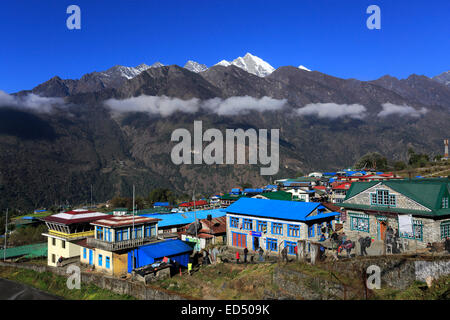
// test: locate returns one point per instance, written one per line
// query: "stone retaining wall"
(119, 286)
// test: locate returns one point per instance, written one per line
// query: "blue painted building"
(176, 250)
(275, 224)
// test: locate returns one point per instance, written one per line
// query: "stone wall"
(119, 286)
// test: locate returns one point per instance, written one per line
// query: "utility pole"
(195, 217)
(6, 234)
(132, 231)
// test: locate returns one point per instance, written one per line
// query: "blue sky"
(324, 35)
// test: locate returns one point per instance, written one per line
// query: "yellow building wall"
(56, 250)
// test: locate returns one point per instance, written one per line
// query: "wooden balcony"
(119, 245)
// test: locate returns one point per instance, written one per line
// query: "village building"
(206, 232)
(66, 230)
(114, 237)
(372, 207)
(277, 195)
(170, 225)
(173, 249)
(339, 191)
(229, 198)
(197, 204)
(275, 224)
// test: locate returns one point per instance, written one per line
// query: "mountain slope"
(52, 157)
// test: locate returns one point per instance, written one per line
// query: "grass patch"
(56, 285)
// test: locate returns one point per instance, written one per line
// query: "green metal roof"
(278, 195)
(29, 251)
(427, 192)
(228, 196)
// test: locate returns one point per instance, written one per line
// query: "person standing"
(237, 257)
(245, 254)
(296, 252)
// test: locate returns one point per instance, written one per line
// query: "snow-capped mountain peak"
(224, 63)
(195, 66)
(303, 68)
(251, 64)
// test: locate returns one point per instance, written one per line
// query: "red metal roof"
(75, 216)
(120, 221)
(191, 204)
(343, 186)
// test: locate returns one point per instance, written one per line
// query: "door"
(255, 243)
(382, 230)
(90, 257)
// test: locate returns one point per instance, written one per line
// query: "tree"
(372, 160)
(299, 174)
(246, 185)
(119, 202)
(399, 165)
(417, 159)
(161, 195)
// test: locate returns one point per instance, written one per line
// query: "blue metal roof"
(161, 204)
(249, 190)
(166, 248)
(286, 210)
(173, 219)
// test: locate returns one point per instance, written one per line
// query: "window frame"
(247, 224)
(277, 228)
(416, 224)
(293, 230)
(272, 243)
(234, 222)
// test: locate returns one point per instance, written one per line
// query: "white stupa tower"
(446, 149)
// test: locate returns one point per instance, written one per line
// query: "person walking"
(245, 254)
(237, 257)
(284, 254)
(296, 252)
(261, 253)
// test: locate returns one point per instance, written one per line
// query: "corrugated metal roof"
(174, 219)
(30, 251)
(287, 210)
(165, 248)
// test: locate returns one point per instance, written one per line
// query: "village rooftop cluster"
(321, 215)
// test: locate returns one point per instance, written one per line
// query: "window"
(84, 253)
(107, 262)
(311, 231)
(417, 231)
(290, 245)
(150, 230)
(293, 230)
(319, 228)
(261, 226)
(53, 242)
(271, 244)
(383, 198)
(100, 258)
(247, 224)
(63, 244)
(108, 235)
(234, 222)
(359, 223)
(99, 233)
(137, 232)
(445, 203)
(53, 258)
(277, 228)
(445, 230)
